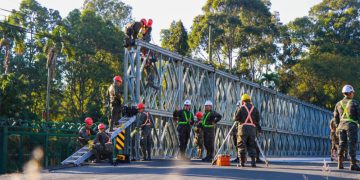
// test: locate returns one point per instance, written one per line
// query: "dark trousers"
(209, 138)
(184, 136)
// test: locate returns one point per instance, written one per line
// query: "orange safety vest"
(248, 120)
(147, 122)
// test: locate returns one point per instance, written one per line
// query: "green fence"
(19, 138)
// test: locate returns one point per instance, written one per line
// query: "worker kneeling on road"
(248, 118)
(85, 133)
(144, 125)
(103, 147)
(347, 118)
(208, 123)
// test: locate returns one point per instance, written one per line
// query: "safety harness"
(346, 114)
(248, 120)
(147, 122)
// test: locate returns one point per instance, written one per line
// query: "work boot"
(111, 159)
(340, 163)
(242, 161)
(253, 162)
(353, 165)
(236, 160)
(97, 160)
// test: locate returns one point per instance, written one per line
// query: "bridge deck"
(280, 168)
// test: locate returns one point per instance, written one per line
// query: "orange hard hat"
(199, 115)
(89, 121)
(141, 106)
(117, 78)
(149, 23)
(101, 126)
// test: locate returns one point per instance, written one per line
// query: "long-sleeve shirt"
(115, 95)
(84, 134)
(353, 111)
(144, 120)
(242, 115)
(210, 119)
(184, 117)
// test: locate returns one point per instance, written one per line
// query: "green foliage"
(319, 78)
(175, 38)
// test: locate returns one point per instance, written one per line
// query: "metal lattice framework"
(291, 127)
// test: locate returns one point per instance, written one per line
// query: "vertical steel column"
(125, 76)
(138, 75)
(180, 82)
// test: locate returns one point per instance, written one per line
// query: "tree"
(175, 38)
(337, 27)
(112, 10)
(319, 78)
(243, 32)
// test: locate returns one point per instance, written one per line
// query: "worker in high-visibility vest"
(144, 125)
(347, 118)
(248, 118)
(210, 119)
(185, 119)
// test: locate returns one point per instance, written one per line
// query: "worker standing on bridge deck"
(347, 117)
(85, 133)
(144, 125)
(211, 117)
(102, 145)
(115, 95)
(248, 118)
(185, 120)
(131, 32)
(199, 135)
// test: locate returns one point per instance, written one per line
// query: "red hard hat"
(89, 121)
(149, 23)
(199, 115)
(143, 20)
(141, 106)
(101, 126)
(117, 78)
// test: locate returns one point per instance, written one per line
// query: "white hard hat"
(187, 102)
(238, 103)
(208, 103)
(347, 89)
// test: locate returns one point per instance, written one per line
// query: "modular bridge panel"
(291, 127)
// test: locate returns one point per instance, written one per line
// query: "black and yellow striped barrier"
(120, 139)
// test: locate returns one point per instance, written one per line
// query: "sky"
(163, 12)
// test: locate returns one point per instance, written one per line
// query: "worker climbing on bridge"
(248, 118)
(199, 135)
(347, 118)
(102, 147)
(185, 119)
(235, 132)
(115, 95)
(210, 119)
(85, 133)
(131, 32)
(144, 125)
(146, 32)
